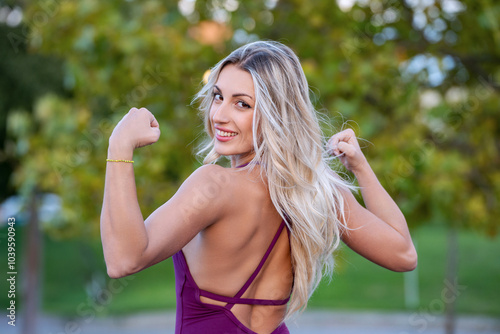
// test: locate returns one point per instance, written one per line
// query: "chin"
(228, 150)
(222, 151)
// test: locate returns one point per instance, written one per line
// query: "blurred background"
(418, 80)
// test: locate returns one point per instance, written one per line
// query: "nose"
(220, 113)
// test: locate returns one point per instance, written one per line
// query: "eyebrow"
(234, 95)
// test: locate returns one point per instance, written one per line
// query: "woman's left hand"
(345, 146)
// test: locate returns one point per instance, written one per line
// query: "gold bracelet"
(120, 160)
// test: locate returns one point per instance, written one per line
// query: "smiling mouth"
(225, 134)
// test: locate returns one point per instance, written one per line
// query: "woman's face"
(232, 114)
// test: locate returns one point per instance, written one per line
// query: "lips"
(224, 134)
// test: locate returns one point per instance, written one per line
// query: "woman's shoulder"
(229, 183)
(212, 177)
(222, 191)
(216, 178)
(223, 175)
(209, 170)
(212, 173)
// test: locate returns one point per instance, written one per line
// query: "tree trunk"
(31, 272)
(451, 279)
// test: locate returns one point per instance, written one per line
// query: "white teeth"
(225, 134)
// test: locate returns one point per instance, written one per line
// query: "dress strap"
(261, 264)
(234, 300)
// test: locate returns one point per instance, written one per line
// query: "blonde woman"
(250, 243)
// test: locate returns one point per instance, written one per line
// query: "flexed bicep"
(199, 202)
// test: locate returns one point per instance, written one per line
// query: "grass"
(359, 284)
(74, 268)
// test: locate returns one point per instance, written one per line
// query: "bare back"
(223, 256)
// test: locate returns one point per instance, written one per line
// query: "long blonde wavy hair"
(289, 147)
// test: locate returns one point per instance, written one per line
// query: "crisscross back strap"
(261, 264)
(250, 301)
(236, 299)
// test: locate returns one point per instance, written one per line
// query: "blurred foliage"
(24, 78)
(418, 79)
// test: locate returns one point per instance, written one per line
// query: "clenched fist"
(137, 128)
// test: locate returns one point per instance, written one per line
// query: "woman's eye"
(217, 97)
(242, 104)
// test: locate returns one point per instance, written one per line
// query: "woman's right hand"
(136, 129)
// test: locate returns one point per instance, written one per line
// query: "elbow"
(115, 273)
(120, 264)
(408, 266)
(407, 261)
(117, 270)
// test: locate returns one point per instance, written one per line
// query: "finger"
(331, 151)
(347, 135)
(154, 123)
(333, 141)
(346, 148)
(350, 132)
(152, 120)
(333, 146)
(336, 139)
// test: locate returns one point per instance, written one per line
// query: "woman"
(247, 240)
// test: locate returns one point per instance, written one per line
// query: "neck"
(240, 161)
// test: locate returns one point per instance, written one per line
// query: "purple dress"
(193, 316)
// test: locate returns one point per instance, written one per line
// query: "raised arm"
(380, 232)
(131, 244)
(123, 233)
